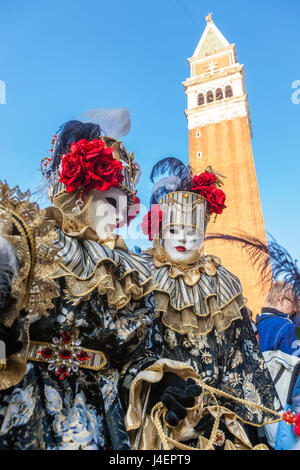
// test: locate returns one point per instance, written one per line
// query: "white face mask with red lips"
(182, 244)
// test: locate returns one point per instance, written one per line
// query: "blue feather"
(175, 176)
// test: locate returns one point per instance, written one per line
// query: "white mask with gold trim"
(184, 220)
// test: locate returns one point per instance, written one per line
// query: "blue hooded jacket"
(277, 332)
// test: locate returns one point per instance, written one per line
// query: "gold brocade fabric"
(136, 419)
(14, 371)
(16, 365)
(204, 297)
(25, 226)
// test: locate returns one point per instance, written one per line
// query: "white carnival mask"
(183, 226)
(107, 211)
(182, 244)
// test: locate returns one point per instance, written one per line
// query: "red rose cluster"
(204, 184)
(91, 165)
(151, 222)
(297, 425)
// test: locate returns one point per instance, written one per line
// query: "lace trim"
(187, 320)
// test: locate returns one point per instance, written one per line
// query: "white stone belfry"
(216, 87)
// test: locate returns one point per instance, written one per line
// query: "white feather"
(138, 173)
(169, 182)
(114, 122)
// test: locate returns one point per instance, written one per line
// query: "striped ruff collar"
(88, 265)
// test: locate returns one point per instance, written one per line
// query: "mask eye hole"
(112, 201)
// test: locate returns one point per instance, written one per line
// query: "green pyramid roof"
(211, 43)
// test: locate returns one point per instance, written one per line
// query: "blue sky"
(61, 58)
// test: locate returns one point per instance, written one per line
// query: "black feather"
(72, 131)
(284, 266)
(272, 260)
(170, 166)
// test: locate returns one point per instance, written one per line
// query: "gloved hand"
(176, 394)
(9, 336)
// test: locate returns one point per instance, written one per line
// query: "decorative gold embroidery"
(63, 358)
(38, 257)
(24, 225)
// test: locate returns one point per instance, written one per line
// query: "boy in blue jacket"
(276, 331)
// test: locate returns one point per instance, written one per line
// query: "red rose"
(216, 199)
(92, 165)
(204, 184)
(205, 191)
(151, 222)
(93, 148)
(204, 179)
(73, 173)
(104, 172)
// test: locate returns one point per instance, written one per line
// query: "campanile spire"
(220, 136)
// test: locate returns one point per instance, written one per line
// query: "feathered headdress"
(114, 123)
(176, 187)
(174, 176)
(84, 157)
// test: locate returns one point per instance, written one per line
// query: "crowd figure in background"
(281, 349)
(276, 329)
(277, 325)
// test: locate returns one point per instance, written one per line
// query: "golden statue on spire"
(209, 18)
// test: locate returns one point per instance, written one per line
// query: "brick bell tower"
(220, 136)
